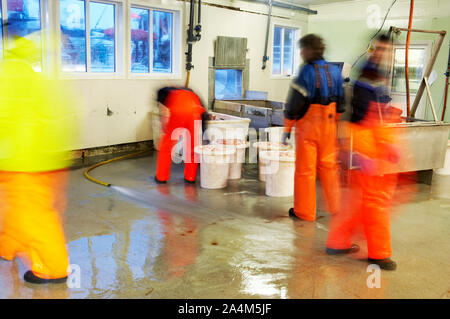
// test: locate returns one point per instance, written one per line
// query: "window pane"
(140, 41)
(73, 35)
(24, 18)
(288, 51)
(102, 32)
(228, 84)
(162, 42)
(276, 59)
(416, 69)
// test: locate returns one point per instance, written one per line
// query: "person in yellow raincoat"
(36, 130)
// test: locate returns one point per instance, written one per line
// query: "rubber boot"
(159, 182)
(386, 263)
(353, 249)
(33, 279)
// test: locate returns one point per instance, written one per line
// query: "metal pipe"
(287, 6)
(265, 57)
(408, 41)
(198, 27)
(191, 22)
(447, 79)
(395, 29)
(190, 39)
(199, 16)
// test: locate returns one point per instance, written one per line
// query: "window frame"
(118, 36)
(43, 4)
(296, 60)
(399, 97)
(175, 9)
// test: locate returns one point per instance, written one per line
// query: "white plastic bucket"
(275, 134)
(226, 126)
(280, 181)
(262, 163)
(214, 165)
(446, 169)
(238, 158)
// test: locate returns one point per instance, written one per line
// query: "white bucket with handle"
(214, 164)
(267, 146)
(238, 158)
(281, 170)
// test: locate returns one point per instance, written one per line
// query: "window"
(416, 68)
(140, 40)
(228, 84)
(159, 57)
(284, 53)
(73, 35)
(93, 51)
(102, 33)
(24, 20)
(162, 41)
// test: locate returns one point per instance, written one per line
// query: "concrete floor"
(180, 241)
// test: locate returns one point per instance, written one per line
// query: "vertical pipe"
(190, 39)
(265, 57)
(199, 15)
(408, 40)
(447, 79)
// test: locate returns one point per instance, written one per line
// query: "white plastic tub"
(280, 181)
(446, 169)
(262, 163)
(238, 158)
(275, 134)
(214, 164)
(227, 127)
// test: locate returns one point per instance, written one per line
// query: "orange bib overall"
(185, 109)
(316, 152)
(370, 197)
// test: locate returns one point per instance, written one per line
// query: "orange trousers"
(316, 152)
(166, 145)
(30, 221)
(371, 192)
(368, 204)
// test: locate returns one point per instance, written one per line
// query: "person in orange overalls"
(36, 131)
(186, 110)
(371, 190)
(315, 100)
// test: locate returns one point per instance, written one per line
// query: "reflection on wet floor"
(142, 240)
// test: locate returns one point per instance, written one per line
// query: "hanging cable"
(376, 33)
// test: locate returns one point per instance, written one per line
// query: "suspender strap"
(316, 68)
(325, 67)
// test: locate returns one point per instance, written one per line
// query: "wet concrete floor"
(143, 240)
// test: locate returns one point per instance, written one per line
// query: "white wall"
(348, 26)
(130, 100)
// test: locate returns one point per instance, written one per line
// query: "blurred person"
(35, 133)
(371, 190)
(186, 110)
(314, 105)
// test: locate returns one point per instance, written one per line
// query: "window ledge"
(137, 76)
(282, 77)
(90, 76)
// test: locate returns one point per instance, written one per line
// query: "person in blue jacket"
(314, 104)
